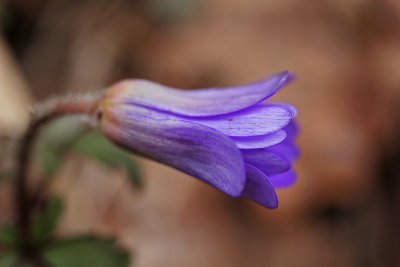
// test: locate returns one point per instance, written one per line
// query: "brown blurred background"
(344, 208)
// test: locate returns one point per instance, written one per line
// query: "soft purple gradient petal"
(290, 107)
(260, 141)
(194, 149)
(292, 129)
(283, 179)
(260, 119)
(199, 102)
(267, 162)
(286, 150)
(258, 188)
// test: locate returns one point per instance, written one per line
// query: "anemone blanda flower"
(226, 137)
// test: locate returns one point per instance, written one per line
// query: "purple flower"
(224, 136)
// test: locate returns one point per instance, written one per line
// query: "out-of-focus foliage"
(87, 251)
(6, 170)
(97, 146)
(55, 140)
(72, 135)
(45, 222)
(63, 136)
(173, 10)
(4, 174)
(10, 259)
(9, 235)
(43, 225)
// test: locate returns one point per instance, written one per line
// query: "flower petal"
(258, 188)
(260, 119)
(290, 107)
(260, 141)
(291, 129)
(194, 149)
(267, 162)
(284, 179)
(199, 102)
(286, 150)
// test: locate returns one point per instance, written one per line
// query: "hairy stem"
(39, 118)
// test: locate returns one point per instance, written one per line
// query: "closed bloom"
(226, 137)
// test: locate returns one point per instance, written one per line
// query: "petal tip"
(259, 189)
(286, 76)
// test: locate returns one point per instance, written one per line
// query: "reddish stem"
(22, 198)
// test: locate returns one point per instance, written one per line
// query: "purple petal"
(286, 150)
(260, 119)
(267, 162)
(194, 149)
(258, 188)
(199, 102)
(290, 107)
(291, 129)
(260, 141)
(284, 179)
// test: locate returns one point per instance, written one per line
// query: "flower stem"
(43, 115)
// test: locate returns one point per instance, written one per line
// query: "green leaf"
(174, 10)
(8, 259)
(54, 141)
(70, 133)
(50, 160)
(96, 145)
(9, 235)
(86, 251)
(4, 175)
(45, 222)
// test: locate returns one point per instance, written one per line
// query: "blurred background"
(344, 208)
